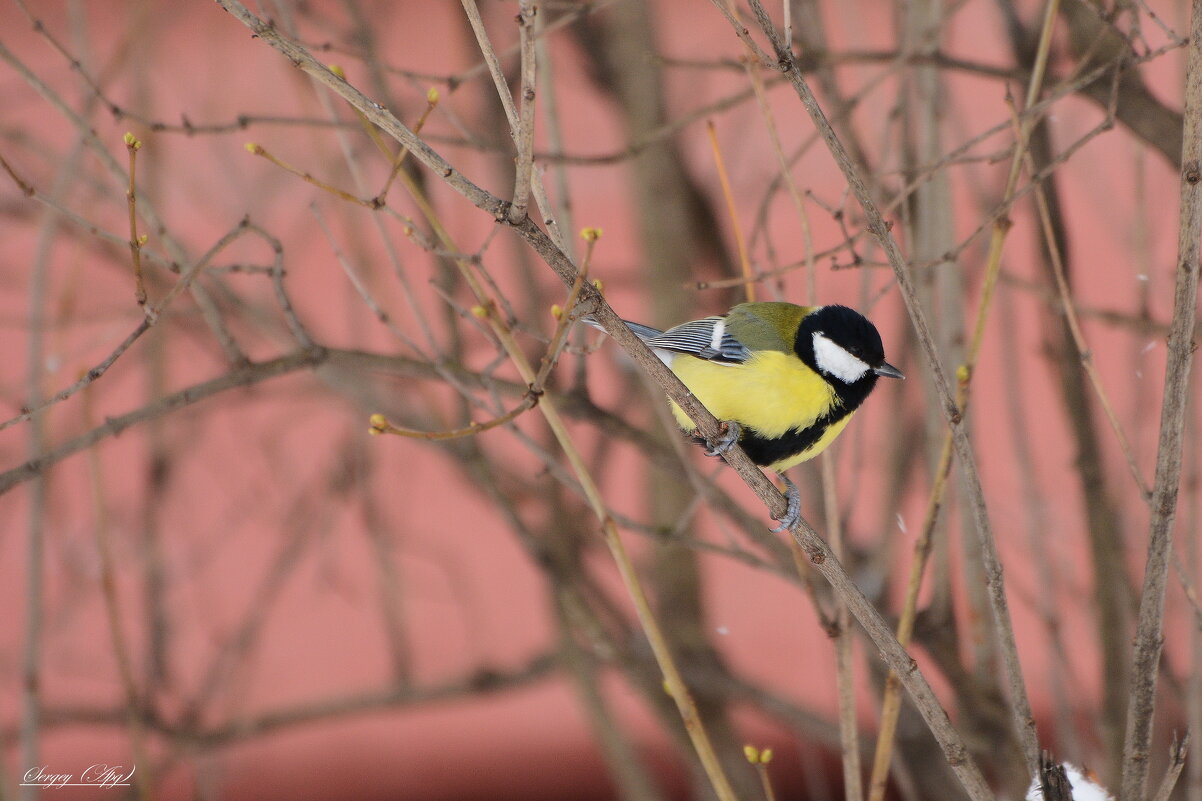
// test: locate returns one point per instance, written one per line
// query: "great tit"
(785, 379)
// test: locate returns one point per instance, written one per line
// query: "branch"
(243, 376)
(1149, 629)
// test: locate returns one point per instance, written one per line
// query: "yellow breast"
(772, 392)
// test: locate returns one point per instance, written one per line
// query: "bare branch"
(1148, 634)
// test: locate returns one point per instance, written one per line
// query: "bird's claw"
(792, 510)
(730, 437)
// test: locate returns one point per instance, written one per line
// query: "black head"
(845, 348)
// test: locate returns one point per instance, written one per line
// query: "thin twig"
(1177, 753)
(523, 135)
(380, 425)
(1083, 350)
(759, 759)
(853, 775)
(133, 145)
(255, 149)
(728, 195)
(745, 35)
(112, 609)
(240, 377)
(398, 161)
(26, 188)
(561, 220)
(494, 64)
(807, 234)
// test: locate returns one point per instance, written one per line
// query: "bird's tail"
(643, 332)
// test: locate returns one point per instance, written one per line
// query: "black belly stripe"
(765, 451)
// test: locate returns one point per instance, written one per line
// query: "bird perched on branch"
(785, 379)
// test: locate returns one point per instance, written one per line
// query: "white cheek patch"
(834, 360)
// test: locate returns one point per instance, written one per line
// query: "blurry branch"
(1139, 323)
(679, 228)
(554, 130)
(481, 682)
(631, 776)
(786, 176)
(842, 635)
(240, 377)
(154, 312)
(307, 514)
(1149, 640)
(1177, 754)
(814, 53)
(732, 210)
(1036, 513)
(577, 11)
(113, 613)
(33, 621)
(1112, 591)
(1095, 39)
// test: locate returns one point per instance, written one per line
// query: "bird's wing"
(757, 331)
(706, 338)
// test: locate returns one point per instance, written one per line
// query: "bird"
(784, 379)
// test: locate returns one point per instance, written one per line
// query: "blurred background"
(212, 572)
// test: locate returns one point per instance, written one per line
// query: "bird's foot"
(731, 431)
(792, 510)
